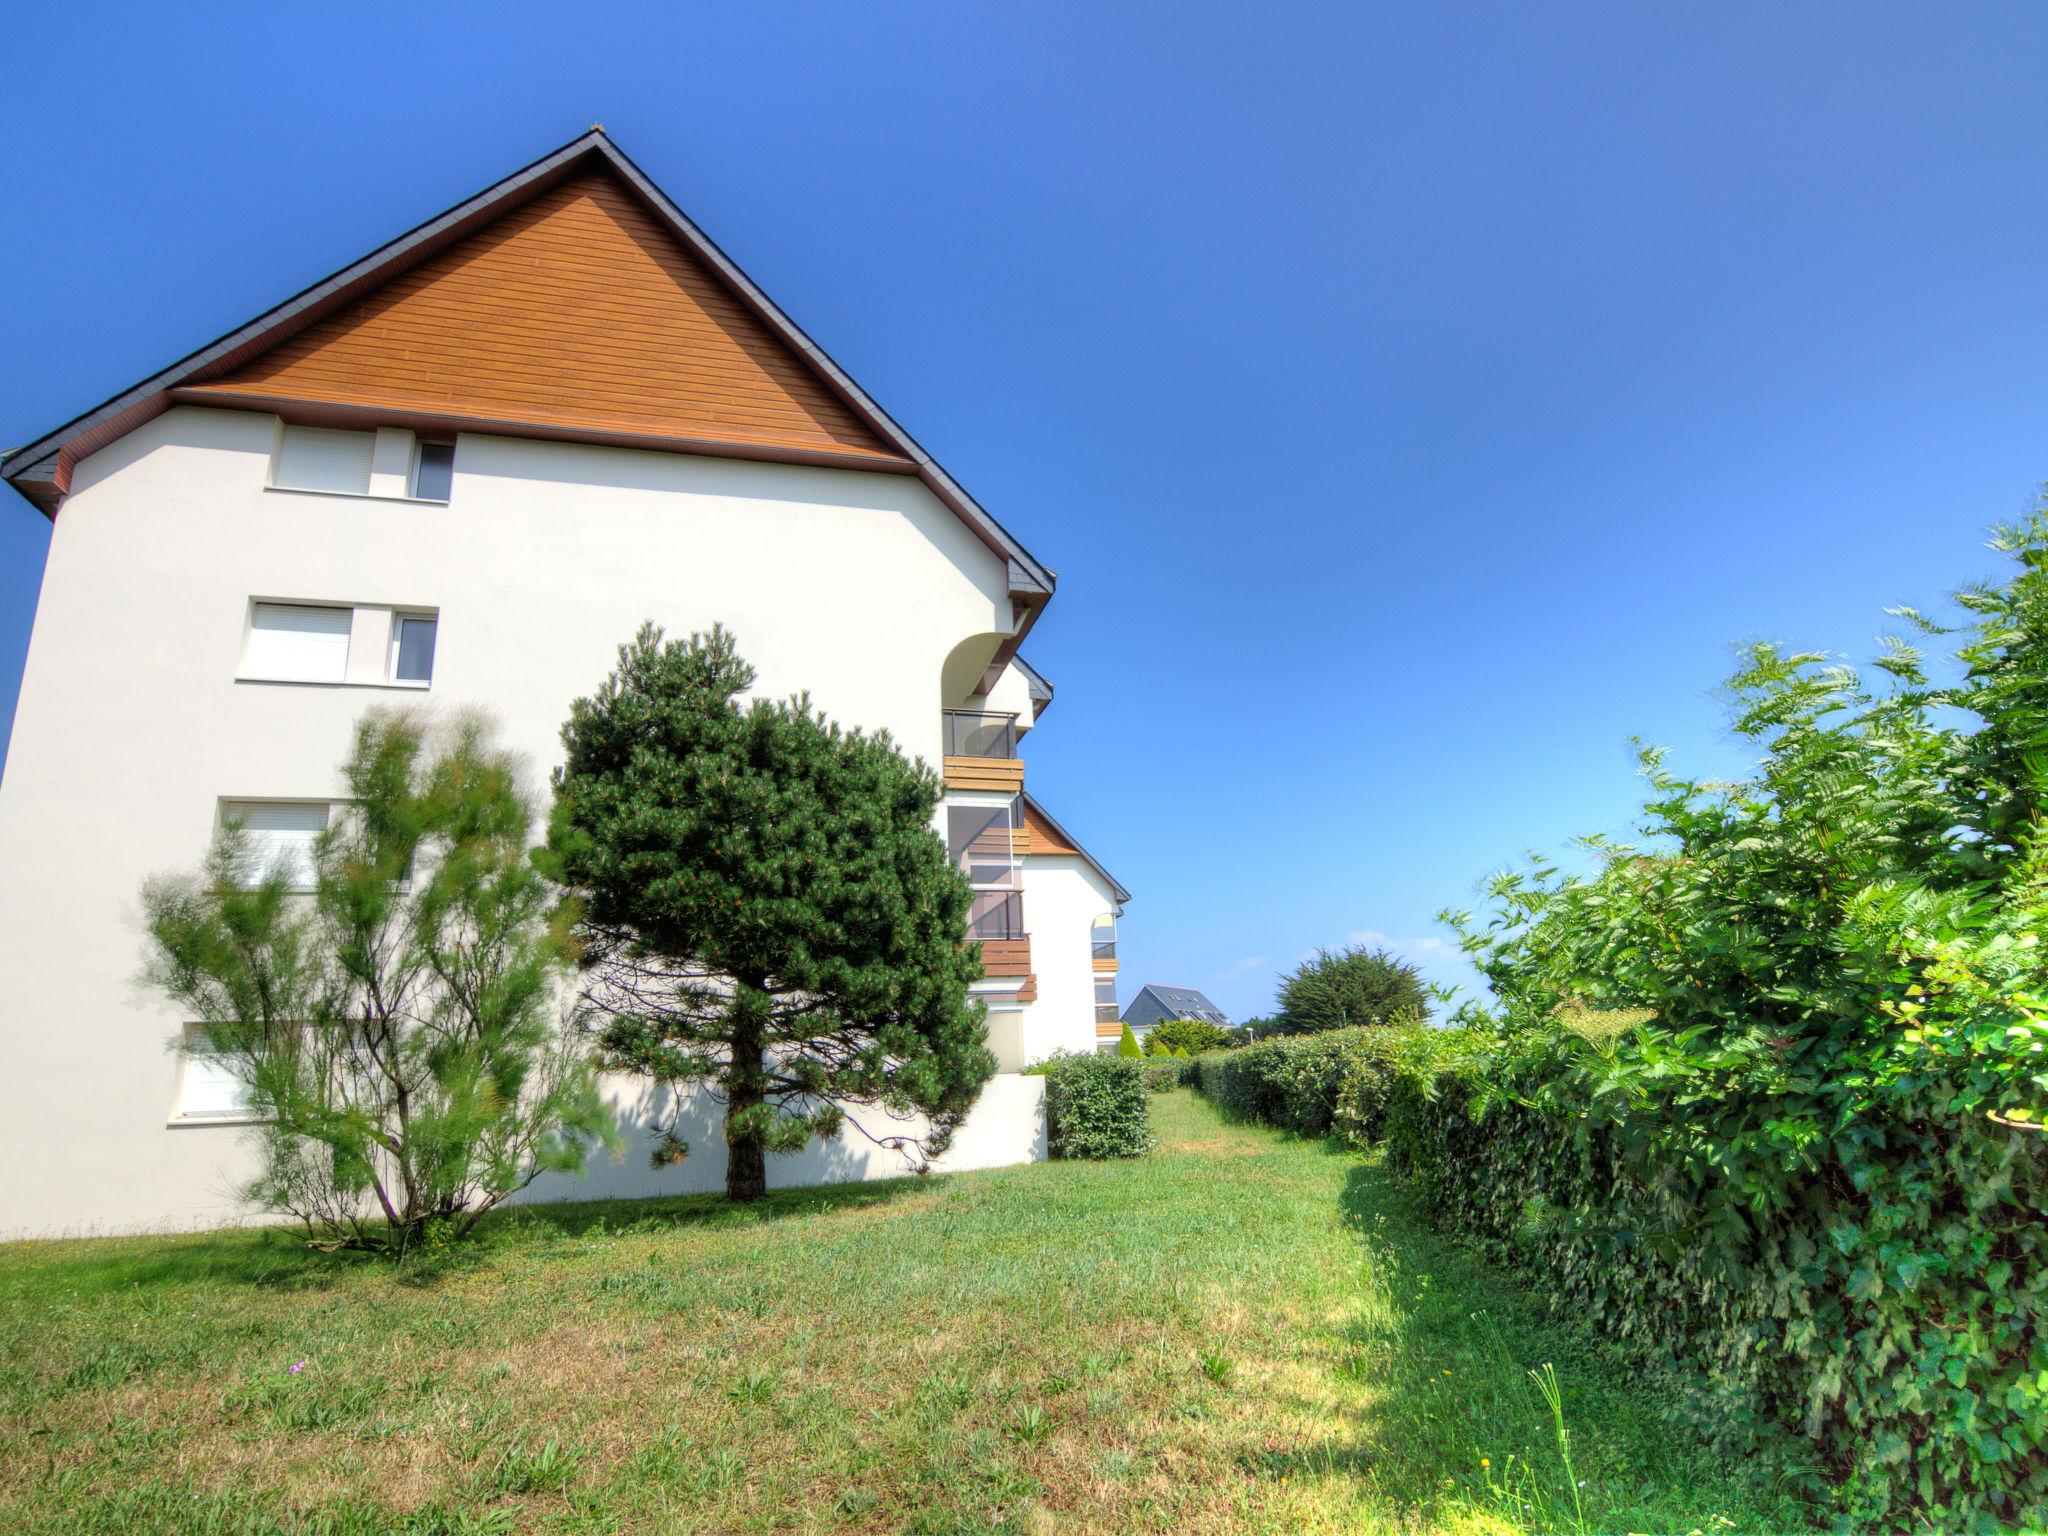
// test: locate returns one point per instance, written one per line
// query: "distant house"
(1155, 1003)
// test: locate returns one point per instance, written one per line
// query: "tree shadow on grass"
(277, 1258)
(1432, 1369)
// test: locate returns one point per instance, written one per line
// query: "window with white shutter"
(278, 835)
(321, 459)
(207, 1090)
(293, 643)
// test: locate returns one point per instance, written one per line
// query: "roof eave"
(1116, 889)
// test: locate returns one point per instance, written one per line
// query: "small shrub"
(1128, 1046)
(1186, 1037)
(1162, 1076)
(1096, 1106)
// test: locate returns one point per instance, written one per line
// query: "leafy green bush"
(1186, 1037)
(1096, 1106)
(1293, 1082)
(1162, 1076)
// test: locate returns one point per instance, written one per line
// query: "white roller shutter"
(319, 459)
(278, 835)
(208, 1090)
(291, 644)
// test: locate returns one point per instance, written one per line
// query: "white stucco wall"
(132, 727)
(1063, 895)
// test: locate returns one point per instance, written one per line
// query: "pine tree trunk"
(746, 1159)
(746, 1169)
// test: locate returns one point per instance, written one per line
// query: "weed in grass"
(1217, 1366)
(662, 1461)
(543, 1468)
(753, 1386)
(722, 1471)
(1029, 1424)
(855, 1502)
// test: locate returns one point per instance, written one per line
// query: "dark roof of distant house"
(1183, 1003)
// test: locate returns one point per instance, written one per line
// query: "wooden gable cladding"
(1045, 837)
(575, 313)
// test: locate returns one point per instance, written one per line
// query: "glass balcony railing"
(996, 915)
(1103, 949)
(969, 734)
(1107, 1013)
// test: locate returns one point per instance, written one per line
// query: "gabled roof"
(854, 431)
(1181, 1003)
(1048, 836)
(1035, 682)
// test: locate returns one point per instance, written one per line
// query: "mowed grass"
(1241, 1333)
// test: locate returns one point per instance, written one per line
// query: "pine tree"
(1128, 1045)
(1344, 988)
(764, 908)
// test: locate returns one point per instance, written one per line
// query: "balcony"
(1102, 951)
(981, 752)
(1107, 1013)
(996, 915)
(996, 919)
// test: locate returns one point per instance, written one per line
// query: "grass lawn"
(1242, 1332)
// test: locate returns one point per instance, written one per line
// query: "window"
(433, 471)
(207, 1090)
(317, 643)
(318, 459)
(412, 648)
(290, 643)
(278, 835)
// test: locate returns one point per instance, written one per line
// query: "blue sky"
(1416, 401)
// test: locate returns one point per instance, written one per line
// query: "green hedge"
(1525, 1143)
(1097, 1106)
(1310, 1084)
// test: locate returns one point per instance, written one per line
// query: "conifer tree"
(765, 908)
(1128, 1045)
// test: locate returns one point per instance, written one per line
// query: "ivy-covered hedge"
(1097, 1106)
(1811, 1157)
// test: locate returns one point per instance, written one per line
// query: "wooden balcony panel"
(1105, 967)
(1004, 775)
(1006, 957)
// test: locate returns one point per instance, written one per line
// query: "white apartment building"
(461, 472)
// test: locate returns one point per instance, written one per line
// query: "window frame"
(181, 1118)
(412, 476)
(224, 808)
(399, 618)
